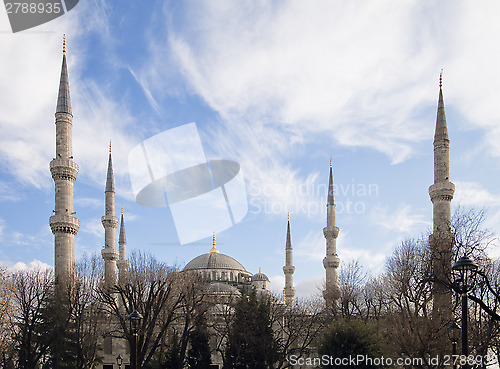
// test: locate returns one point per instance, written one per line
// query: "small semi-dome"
(260, 277)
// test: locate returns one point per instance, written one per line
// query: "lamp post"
(119, 361)
(465, 267)
(453, 336)
(135, 320)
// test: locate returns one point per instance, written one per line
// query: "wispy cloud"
(474, 194)
(403, 220)
(92, 226)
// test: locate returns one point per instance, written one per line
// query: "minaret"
(441, 194)
(122, 262)
(288, 269)
(109, 222)
(63, 223)
(331, 261)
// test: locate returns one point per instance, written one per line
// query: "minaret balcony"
(109, 221)
(331, 262)
(331, 233)
(442, 191)
(64, 224)
(288, 269)
(65, 169)
(109, 254)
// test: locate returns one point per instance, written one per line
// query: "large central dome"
(214, 260)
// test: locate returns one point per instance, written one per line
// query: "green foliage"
(250, 343)
(199, 356)
(172, 360)
(349, 338)
(58, 323)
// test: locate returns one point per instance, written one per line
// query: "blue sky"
(278, 87)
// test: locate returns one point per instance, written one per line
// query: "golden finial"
(288, 216)
(110, 146)
(260, 270)
(214, 249)
(175, 268)
(441, 79)
(64, 44)
(330, 161)
(122, 209)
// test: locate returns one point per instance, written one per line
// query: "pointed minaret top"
(441, 133)
(214, 249)
(331, 197)
(110, 182)
(122, 239)
(288, 237)
(63, 99)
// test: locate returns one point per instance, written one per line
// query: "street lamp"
(135, 320)
(465, 267)
(119, 361)
(453, 336)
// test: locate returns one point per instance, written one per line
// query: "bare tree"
(165, 298)
(297, 327)
(32, 290)
(6, 317)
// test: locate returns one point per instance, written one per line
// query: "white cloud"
(92, 226)
(35, 264)
(402, 220)
(475, 195)
(277, 283)
(310, 247)
(310, 286)
(338, 70)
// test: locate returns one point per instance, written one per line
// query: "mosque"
(223, 273)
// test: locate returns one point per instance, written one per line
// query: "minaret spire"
(331, 261)
(63, 223)
(288, 269)
(441, 194)
(110, 223)
(63, 99)
(122, 263)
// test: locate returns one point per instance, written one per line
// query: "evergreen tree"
(199, 356)
(250, 343)
(350, 338)
(58, 323)
(172, 360)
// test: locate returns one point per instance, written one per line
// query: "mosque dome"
(260, 277)
(215, 260)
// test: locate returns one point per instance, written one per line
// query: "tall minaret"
(63, 223)
(288, 269)
(331, 261)
(122, 262)
(110, 222)
(441, 194)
